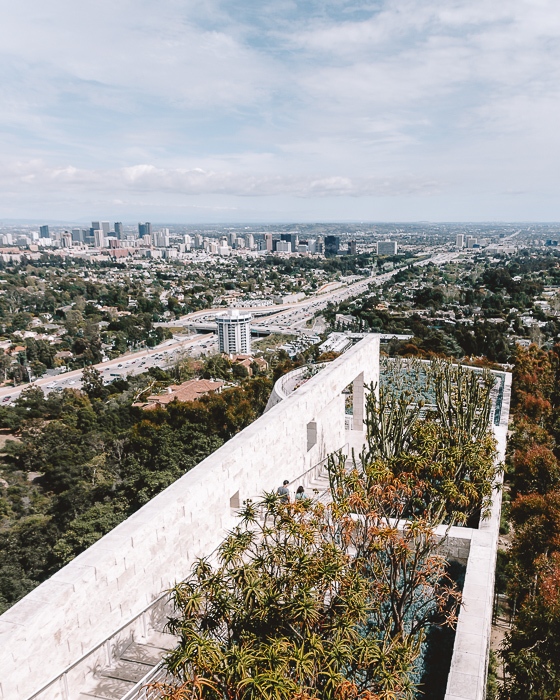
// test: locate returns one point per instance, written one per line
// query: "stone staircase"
(134, 665)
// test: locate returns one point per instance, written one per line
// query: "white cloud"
(411, 100)
(148, 178)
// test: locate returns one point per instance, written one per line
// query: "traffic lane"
(76, 375)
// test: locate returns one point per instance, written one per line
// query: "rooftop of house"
(187, 391)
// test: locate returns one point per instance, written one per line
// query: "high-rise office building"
(460, 240)
(106, 227)
(161, 238)
(332, 245)
(98, 238)
(352, 248)
(292, 239)
(96, 225)
(77, 235)
(145, 229)
(66, 239)
(234, 332)
(268, 241)
(387, 247)
(44, 232)
(119, 230)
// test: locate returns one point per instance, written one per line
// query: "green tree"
(92, 383)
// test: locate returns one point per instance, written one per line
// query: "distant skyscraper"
(145, 229)
(352, 248)
(44, 232)
(292, 239)
(77, 235)
(98, 238)
(332, 245)
(105, 227)
(119, 231)
(387, 247)
(96, 225)
(460, 240)
(66, 240)
(161, 238)
(234, 332)
(268, 240)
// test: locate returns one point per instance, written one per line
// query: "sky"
(277, 110)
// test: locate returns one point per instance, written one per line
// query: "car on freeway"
(6, 399)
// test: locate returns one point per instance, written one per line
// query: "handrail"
(133, 693)
(305, 473)
(98, 646)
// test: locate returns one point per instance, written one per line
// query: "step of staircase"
(134, 663)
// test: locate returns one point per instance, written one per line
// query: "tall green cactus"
(430, 421)
(463, 400)
(390, 420)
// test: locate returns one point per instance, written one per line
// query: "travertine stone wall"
(112, 581)
(469, 664)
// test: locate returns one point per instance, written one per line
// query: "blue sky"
(263, 111)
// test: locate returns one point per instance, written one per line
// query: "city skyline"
(345, 111)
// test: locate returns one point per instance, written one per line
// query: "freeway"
(162, 355)
(282, 318)
(292, 317)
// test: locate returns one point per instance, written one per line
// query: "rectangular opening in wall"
(348, 394)
(234, 501)
(311, 434)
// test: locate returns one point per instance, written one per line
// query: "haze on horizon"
(240, 111)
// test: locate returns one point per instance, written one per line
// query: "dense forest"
(83, 461)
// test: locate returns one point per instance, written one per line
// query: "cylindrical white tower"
(234, 332)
